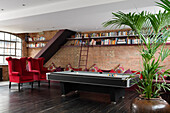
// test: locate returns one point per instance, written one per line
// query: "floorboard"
(49, 100)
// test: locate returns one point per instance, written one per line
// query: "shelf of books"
(106, 42)
(116, 38)
(34, 42)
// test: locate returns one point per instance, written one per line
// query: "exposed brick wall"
(105, 57)
(31, 52)
(5, 72)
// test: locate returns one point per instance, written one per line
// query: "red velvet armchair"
(36, 66)
(17, 71)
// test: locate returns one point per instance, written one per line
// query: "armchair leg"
(19, 87)
(38, 83)
(32, 85)
(49, 83)
(9, 85)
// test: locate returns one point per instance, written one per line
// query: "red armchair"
(36, 66)
(17, 71)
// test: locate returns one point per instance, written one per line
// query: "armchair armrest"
(28, 73)
(15, 74)
(44, 69)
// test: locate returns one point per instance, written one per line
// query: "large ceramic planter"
(153, 105)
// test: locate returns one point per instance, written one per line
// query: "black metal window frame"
(12, 49)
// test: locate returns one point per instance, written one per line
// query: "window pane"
(1, 44)
(13, 45)
(1, 51)
(7, 45)
(12, 51)
(18, 45)
(5, 61)
(1, 36)
(13, 38)
(7, 36)
(18, 57)
(7, 51)
(18, 39)
(1, 59)
(10, 45)
(18, 52)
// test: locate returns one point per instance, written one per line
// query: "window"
(10, 45)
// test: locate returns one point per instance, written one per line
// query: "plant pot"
(153, 105)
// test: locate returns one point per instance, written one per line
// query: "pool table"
(113, 84)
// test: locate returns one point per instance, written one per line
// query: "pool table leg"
(116, 93)
(65, 88)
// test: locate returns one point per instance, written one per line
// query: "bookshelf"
(34, 42)
(111, 38)
(121, 37)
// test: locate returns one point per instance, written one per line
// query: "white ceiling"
(78, 15)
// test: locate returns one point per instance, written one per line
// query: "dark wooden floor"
(49, 100)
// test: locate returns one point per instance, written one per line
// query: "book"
(121, 41)
(102, 41)
(76, 42)
(128, 41)
(119, 33)
(113, 42)
(106, 34)
(29, 39)
(111, 33)
(106, 41)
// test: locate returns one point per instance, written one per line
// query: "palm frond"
(165, 4)
(153, 32)
(133, 20)
(159, 20)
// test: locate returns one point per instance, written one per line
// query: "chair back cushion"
(33, 64)
(9, 59)
(16, 65)
(41, 63)
(23, 63)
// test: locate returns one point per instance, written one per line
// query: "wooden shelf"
(37, 41)
(34, 47)
(104, 37)
(104, 45)
(107, 45)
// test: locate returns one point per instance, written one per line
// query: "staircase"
(59, 39)
(83, 55)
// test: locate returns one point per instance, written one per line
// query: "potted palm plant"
(152, 30)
